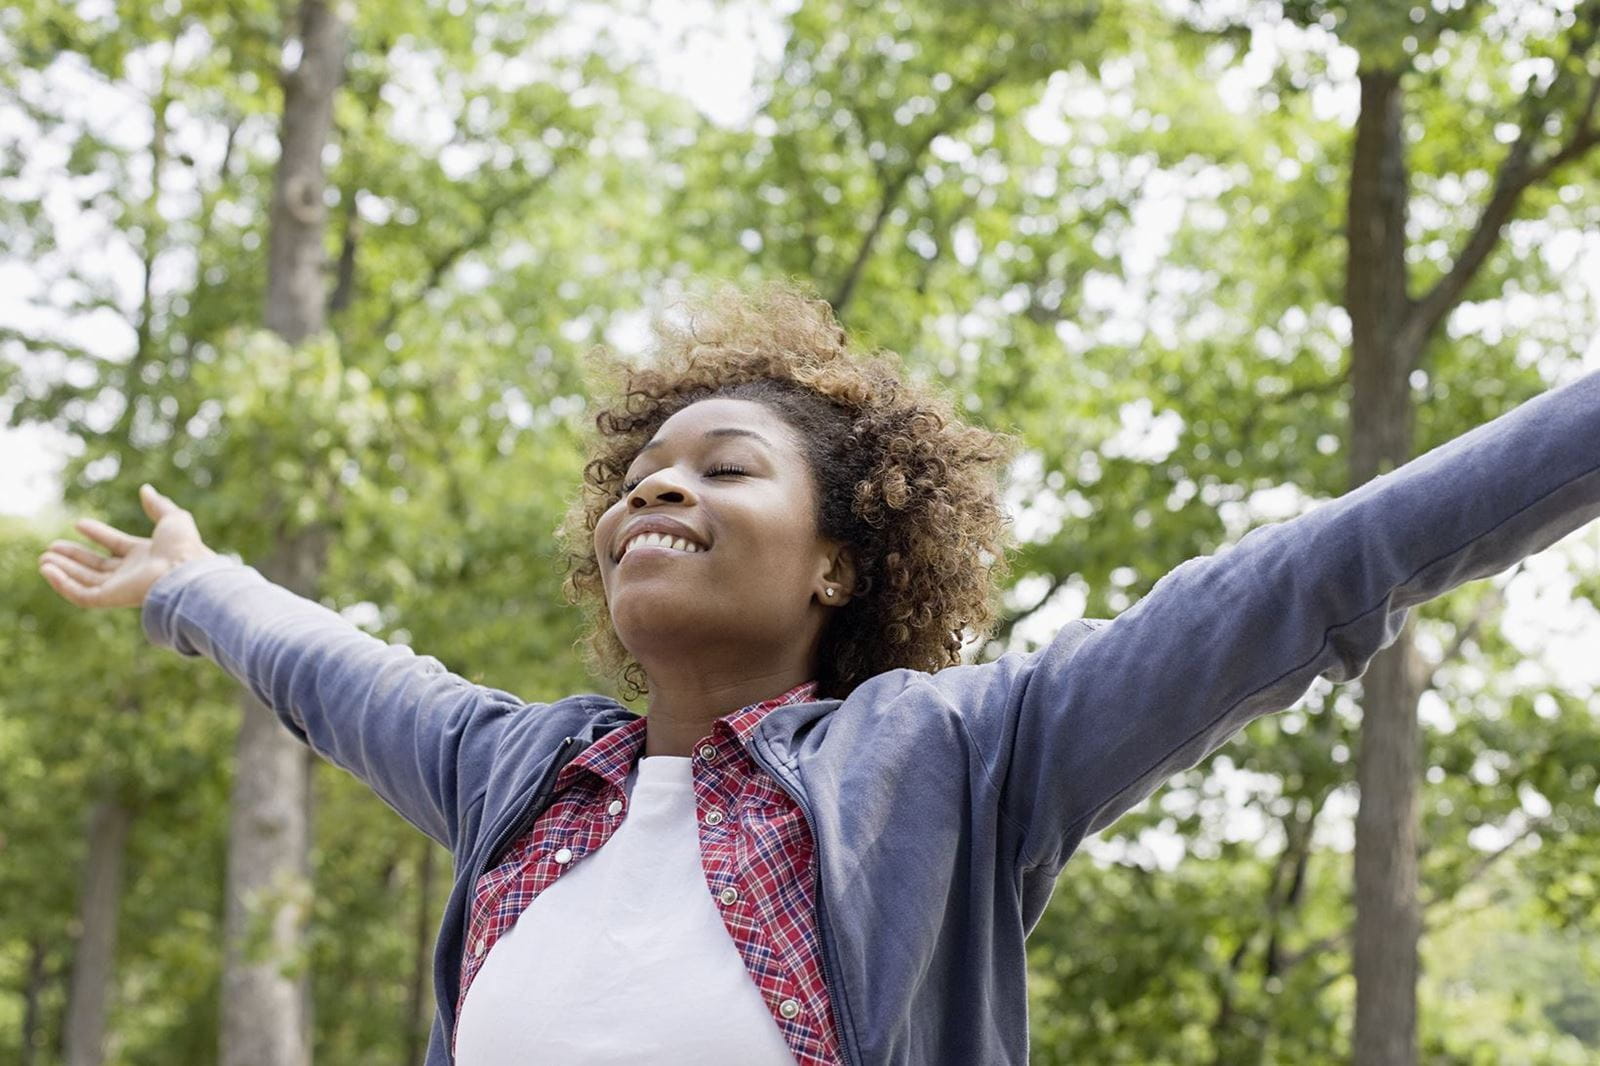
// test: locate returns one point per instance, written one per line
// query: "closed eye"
(719, 470)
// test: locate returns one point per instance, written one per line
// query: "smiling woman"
(882, 469)
(827, 841)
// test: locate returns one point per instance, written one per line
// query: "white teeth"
(660, 540)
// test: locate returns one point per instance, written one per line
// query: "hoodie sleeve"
(1074, 734)
(422, 738)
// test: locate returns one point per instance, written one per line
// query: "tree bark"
(1388, 917)
(1387, 923)
(263, 997)
(84, 1036)
(265, 1000)
(419, 1011)
(296, 299)
(32, 1026)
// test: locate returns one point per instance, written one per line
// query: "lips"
(659, 532)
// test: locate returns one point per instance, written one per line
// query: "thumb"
(156, 505)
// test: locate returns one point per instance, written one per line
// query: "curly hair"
(912, 490)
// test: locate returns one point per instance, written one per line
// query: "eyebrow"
(725, 431)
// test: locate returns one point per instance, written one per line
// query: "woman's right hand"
(87, 578)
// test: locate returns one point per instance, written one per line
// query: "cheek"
(604, 527)
(783, 557)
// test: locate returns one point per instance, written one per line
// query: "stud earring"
(829, 593)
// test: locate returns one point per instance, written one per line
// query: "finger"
(79, 553)
(156, 505)
(67, 588)
(113, 539)
(83, 575)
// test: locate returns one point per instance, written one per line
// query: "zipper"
(520, 825)
(824, 927)
(531, 812)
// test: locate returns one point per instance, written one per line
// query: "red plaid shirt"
(755, 847)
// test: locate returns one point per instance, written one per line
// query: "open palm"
(87, 578)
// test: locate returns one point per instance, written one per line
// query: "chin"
(647, 622)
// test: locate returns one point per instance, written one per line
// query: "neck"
(685, 702)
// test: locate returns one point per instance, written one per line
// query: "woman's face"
(730, 560)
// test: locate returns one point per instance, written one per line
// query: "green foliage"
(1112, 228)
(140, 729)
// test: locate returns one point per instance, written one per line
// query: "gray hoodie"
(943, 805)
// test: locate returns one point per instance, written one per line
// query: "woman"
(827, 841)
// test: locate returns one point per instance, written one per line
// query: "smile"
(660, 540)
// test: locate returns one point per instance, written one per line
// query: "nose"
(659, 487)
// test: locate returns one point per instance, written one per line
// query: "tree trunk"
(1388, 916)
(89, 992)
(265, 1000)
(296, 300)
(1387, 923)
(32, 1034)
(263, 1015)
(419, 1010)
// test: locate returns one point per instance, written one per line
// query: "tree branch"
(1517, 173)
(1492, 601)
(896, 185)
(1002, 632)
(1484, 863)
(1316, 947)
(133, 383)
(344, 285)
(1434, 904)
(441, 263)
(1298, 852)
(1252, 416)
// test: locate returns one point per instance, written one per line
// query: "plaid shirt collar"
(613, 755)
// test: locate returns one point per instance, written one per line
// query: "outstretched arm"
(398, 721)
(1079, 731)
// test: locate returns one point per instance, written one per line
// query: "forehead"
(725, 417)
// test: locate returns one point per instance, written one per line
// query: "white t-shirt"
(624, 959)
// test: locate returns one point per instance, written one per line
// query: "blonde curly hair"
(900, 479)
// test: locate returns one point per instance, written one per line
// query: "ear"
(837, 581)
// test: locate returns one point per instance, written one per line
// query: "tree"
(264, 990)
(1113, 231)
(1391, 332)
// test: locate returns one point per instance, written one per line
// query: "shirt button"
(477, 949)
(564, 856)
(789, 1008)
(615, 807)
(708, 752)
(729, 896)
(713, 817)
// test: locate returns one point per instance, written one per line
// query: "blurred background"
(327, 276)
